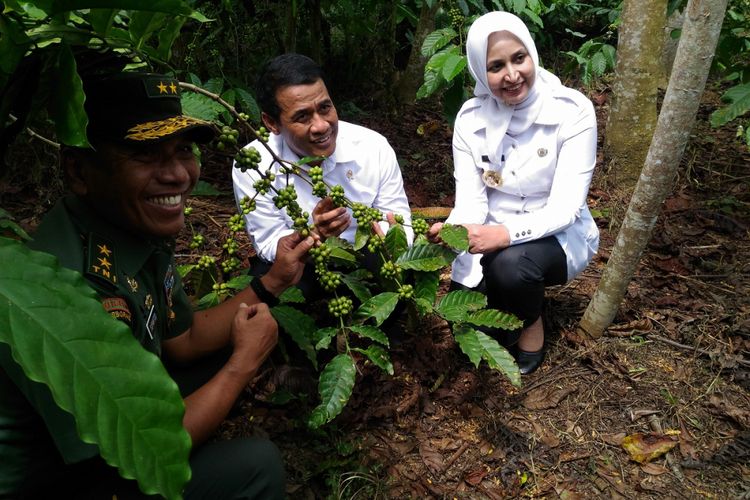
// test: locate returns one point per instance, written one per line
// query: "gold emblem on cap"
(162, 88)
(154, 130)
(542, 152)
(173, 88)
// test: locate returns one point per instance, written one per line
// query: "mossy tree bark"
(632, 117)
(692, 63)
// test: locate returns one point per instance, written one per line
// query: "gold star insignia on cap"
(173, 88)
(104, 250)
(104, 262)
(162, 88)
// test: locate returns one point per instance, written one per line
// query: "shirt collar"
(132, 250)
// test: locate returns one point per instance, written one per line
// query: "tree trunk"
(316, 34)
(290, 40)
(637, 76)
(411, 78)
(703, 19)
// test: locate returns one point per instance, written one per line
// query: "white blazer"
(538, 188)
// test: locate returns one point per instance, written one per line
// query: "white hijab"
(499, 117)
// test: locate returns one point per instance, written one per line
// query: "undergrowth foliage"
(349, 333)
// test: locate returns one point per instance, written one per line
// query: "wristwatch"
(264, 295)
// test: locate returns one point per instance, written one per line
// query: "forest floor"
(674, 367)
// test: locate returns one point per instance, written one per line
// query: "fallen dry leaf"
(544, 398)
(645, 447)
(432, 459)
(631, 328)
(723, 407)
(686, 443)
(654, 469)
(475, 477)
(614, 439)
(545, 435)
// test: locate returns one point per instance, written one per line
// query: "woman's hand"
(485, 239)
(433, 234)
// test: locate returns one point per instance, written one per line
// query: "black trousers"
(515, 278)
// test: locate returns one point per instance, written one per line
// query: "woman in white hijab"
(524, 150)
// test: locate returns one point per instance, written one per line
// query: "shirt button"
(523, 233)
(528, 231)
(518, 235)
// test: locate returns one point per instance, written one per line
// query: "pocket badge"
(492, 179)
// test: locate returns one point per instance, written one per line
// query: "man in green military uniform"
(117, 229)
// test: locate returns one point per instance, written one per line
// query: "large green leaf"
(13, 45)
(432, 82)
(426, 285)
(466, 338)
(66, 104)
(299, 326)
(370, 332)
(172, 7)
(395, 241)
(426, 258)
(456, 305)
(7, 223)
(101, 20)
(379, 307)
(341, 256)
(200, 106)
(167, 35)
(456, 237)
(143, 24)
(249, 104)
(739, 104)
(453, 66)
(437, 40)
(498, 358)
(480, 346)
(121, 396)
(335, 388)
(495, 319)
(379, 357)
(361, 236)
(357, 286)
(292, 295)
(323, 337)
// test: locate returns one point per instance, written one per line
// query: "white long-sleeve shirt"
(545, 174)
(363, 163)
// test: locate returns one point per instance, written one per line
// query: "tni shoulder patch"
(101, 259)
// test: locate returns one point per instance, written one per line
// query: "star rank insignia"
(101, 259)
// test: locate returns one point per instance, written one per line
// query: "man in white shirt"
(302, 118)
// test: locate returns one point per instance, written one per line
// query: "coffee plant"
(359, 301)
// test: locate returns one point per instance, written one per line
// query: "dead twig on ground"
(692, 348)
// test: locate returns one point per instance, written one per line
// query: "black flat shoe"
(527, 361)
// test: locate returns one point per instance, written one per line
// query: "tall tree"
(692, 63)
(637, 75)
(411, 78)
